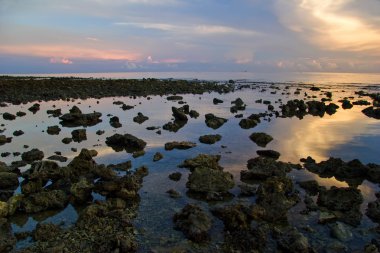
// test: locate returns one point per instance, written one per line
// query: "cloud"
(64, 61)
(67, 51)
(191, 29)
(331, 24)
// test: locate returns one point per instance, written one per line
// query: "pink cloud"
(61, 61)
(68, 52)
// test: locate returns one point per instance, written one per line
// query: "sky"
(54, 36)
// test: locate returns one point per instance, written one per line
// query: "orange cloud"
(68, 52)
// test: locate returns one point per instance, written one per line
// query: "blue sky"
(41, 36)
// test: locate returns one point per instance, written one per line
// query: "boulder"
(179, 145)
(260, 168)
(176, 176)
(157, 156)
(194, 222)
(32, 155)
(76, 118)
(114, 122)
(178, 114)
(268, 153)
(127, 141)
(261, 139)
(79, 135)
(214, 122)
(53, 130)
(8, 116)
(210, 139)
(140, 118)
(247, 123)
(8, 181)
(372, 112)
(37, 202)
(202, 160)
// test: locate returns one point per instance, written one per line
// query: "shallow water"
(348, 134)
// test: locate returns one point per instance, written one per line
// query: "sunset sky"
(51, 36)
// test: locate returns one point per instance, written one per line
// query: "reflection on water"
(338, 135)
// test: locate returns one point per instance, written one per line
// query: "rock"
(176, 176)
(32, 155)
(202, 160)
(34, 108)
(193, 114)
(8, 181)
(269, 153)
(173, 194)
(293, 241)
(260, 168)
(247, 190)
(18, 133)
(127, 141)
(372, 112)
(214, 122)
(174, 98)
(346, 104)
(373, 210)
(344, 200)
(100, 132)
(238, 105)
(81, 191)
(20, 114)
(114, 122)
(14, 203)
(331, 108)
(311, 187)
(247, 123)
(341, 232)
(3, 209)
(53, 130)
(45, 232)
(193, 222)
(45, 170)
(127, 107)
(210, 139)
(37, 202)
(261, 139)
(121, 166)
(178, 114)
(4, 139)
(55, 113)
(138, 153)
(212, 184)
(140, 118)
(174, 126)
(58, 158)
(216, 101)
(67, 140)
(8, 116)
(294, 108)
(275, 196)
(7, 239)
(79, 135)
(157, 156)
(76, 118)
(179, 145)
(235, 217)
(361, 102)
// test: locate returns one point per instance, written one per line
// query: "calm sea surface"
(348, 134)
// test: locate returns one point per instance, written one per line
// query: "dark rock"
(8, 181)
(210, 139)
(361, 102)
(45, 232)
(373, 211)
(58, 158)
(67, 140)
(76, 118)
(260, 168)
(174, 98)
(216, 101)
(7, 239)
(55, 113)
(121, 166)
(173, 194)
(346, 104)
(193, 222)
(214, 122)
(20, 114)
(34, 108)
(114, 122)
(238, 105)
(32, 155)
(81, 191)
(127, 141)
(100, 132)
(247, 123)
(269, 153)
(178, 114)
(174, 126)
(372, 112)
(79, 135)
(247, 190)
(202, 160)
(212, 184)
(138, 153)
(193, 114)
(157, 156)
(235, 217)
(37, 202)
(179, 145)
(4, 139)
(291, 240)
(176, 176)
(311, 187)
(53, 130)
(261, 139)
(18, 133)
(127, 107)
(140, 118)
(8, 116)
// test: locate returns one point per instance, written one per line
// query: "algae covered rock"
(210, 139)
(213, 121)
(127, 141)
(261, 139)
